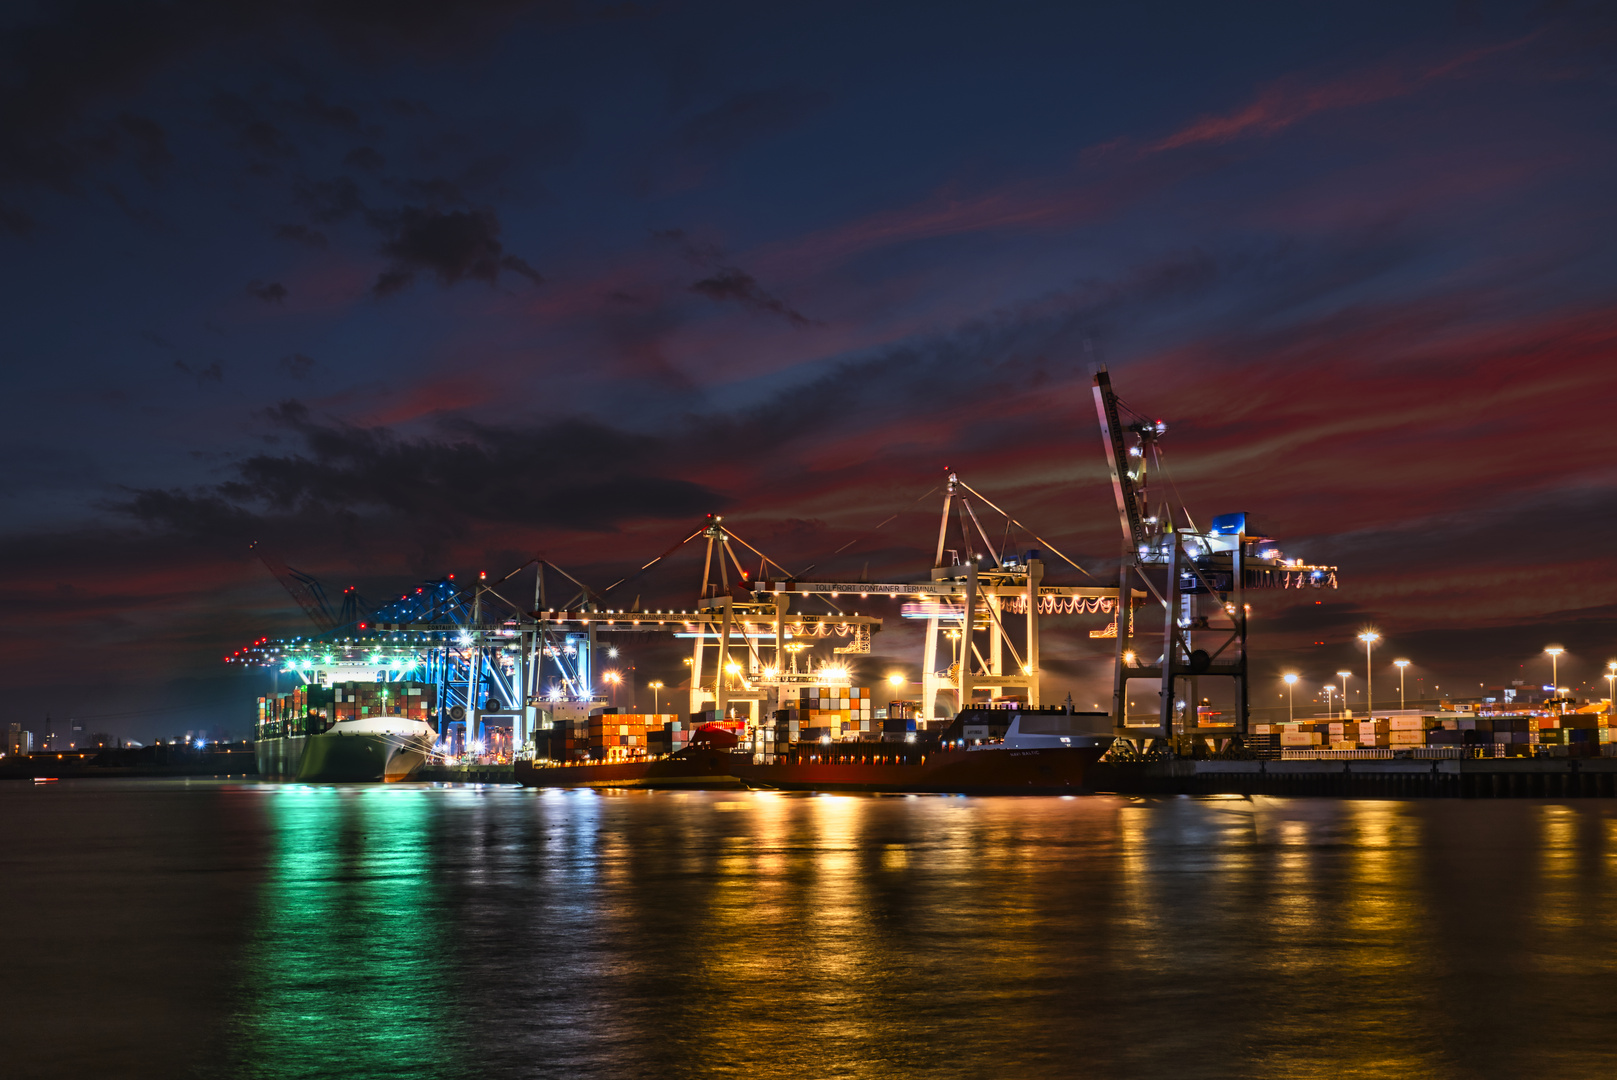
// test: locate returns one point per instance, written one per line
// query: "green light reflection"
(341, 977)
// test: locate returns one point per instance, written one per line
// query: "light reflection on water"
(444, 932)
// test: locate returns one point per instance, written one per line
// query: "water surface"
(174, 928)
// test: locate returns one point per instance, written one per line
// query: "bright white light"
(1289, 679)
(465, 638)
(896, 679)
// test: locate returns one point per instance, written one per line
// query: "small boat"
(386, 748)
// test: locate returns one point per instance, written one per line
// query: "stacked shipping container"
(315, 708)
(1582, 734)
(841, 712)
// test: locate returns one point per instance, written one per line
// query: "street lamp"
(1611, 689)
(1343, 675)
(612, 679)
(1555, 652)
(1369, 637)
(1400, 665)
(895, 680)
(655, 686)
(1290, 680)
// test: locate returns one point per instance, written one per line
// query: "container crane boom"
(303, 588)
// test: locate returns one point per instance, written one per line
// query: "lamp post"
(612, 679)
(1369, 637)
(1330, 711)
(655, 686)
(1611, 690)
(1400, 665)
(1290, 679)
(1343, 675)
(1555, 652)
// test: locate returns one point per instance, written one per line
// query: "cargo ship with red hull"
(708, 764)
(1021, 764)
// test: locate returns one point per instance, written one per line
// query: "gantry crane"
(1198, 577)
(973, 590)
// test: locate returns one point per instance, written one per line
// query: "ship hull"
(341, 758)
(695, 770)
(966, 772)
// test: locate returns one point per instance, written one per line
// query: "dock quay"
(1391, 778)
(466, 774)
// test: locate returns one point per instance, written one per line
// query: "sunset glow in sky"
(402, 290)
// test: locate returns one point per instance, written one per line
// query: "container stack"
(901, 726)
(575, 727)
(1573, 735)
(845, 712)
(1583, 734)
(623, 736)
(787, 728)
(669, 738)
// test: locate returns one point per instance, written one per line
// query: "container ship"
(980, 752)
(349, 732)
(641, 754)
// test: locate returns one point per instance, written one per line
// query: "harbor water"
(177, 928)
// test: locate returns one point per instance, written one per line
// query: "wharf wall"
(465, 774)
(1467, 778)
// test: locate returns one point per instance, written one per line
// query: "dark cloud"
(454, 247)
(746, 118)
(149, 140)
(711, 137)
(573, 474)
(692, 251)
(214, 372)
(271, 293)
(68, 58)
(256, 133)
(330, 201)
(190, 513)
(315, 108)
(367, 158)
(297, 365)
(301, 234)
(735, 285)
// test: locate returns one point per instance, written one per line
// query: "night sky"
(407, 289)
